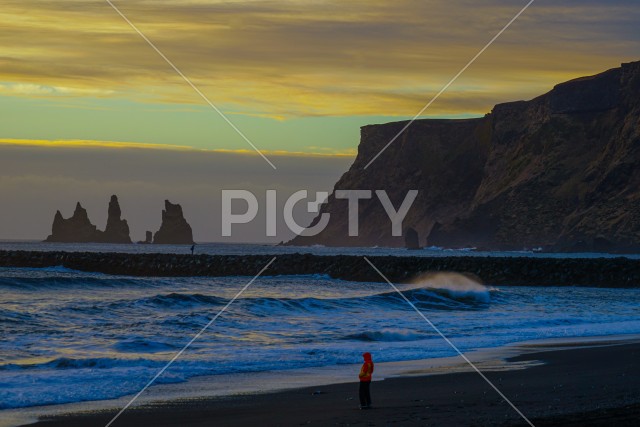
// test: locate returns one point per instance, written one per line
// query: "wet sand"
(597, 386)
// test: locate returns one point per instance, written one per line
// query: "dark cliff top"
(425, 121)
(612, 73)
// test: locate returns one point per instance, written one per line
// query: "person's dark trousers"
(365, 395)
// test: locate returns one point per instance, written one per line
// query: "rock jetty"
(502, 271)
(174, 230)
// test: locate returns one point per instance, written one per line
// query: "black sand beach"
(596, 386)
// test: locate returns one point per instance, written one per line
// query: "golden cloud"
(284, 58)
(78, 143)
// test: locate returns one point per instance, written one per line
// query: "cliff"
(558, 172)
(174, 228)
(79, 229)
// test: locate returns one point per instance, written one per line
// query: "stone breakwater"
(504, 271)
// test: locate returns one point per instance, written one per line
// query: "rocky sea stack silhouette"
(76, 229)
(560, 172)
(117, 230)
(174, 229)
(79, 229)
(147, 239)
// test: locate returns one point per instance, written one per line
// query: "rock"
(174, 230)
(501, 271)
(411, 239)
(117, 230)
(558, 172)
(148, 238)
(602, 244)
(76, 229)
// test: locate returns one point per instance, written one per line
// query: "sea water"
(69, 336)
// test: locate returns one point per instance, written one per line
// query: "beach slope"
(582, 386)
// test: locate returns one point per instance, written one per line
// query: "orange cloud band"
(77, 143)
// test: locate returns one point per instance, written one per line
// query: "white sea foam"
(455, 285)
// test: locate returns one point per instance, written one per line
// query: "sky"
(88, 109)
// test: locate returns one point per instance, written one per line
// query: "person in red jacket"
(365, 381)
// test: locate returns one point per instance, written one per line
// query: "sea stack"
(148, 238)
(77, 229)
(117, 230)
(174, 230)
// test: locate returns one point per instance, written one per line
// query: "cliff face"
(559, 172)
(174, 228)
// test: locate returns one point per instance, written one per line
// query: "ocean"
(268, 249)
(70, 336)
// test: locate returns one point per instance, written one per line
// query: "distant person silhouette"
(365, 381)
(193, 248)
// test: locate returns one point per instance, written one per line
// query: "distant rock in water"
(117, 230)
(77, 229)
(175, 230)
(148, 238)
(411, 239)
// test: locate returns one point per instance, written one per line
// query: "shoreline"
(500, 271)
(518, 360)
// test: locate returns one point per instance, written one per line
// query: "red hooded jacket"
(367, 368)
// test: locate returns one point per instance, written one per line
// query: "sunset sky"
(297, 77)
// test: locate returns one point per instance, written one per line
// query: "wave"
(170, 301)
(179, 299)
(36, 283)
(386, 335)
(71, 363)
(139, 345)
(12, 316)
(423, 298)
(56, 269)
(461, 287)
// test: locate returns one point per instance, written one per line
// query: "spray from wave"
(453, 285)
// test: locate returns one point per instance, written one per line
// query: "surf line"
(178, 354)
(435, 328)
